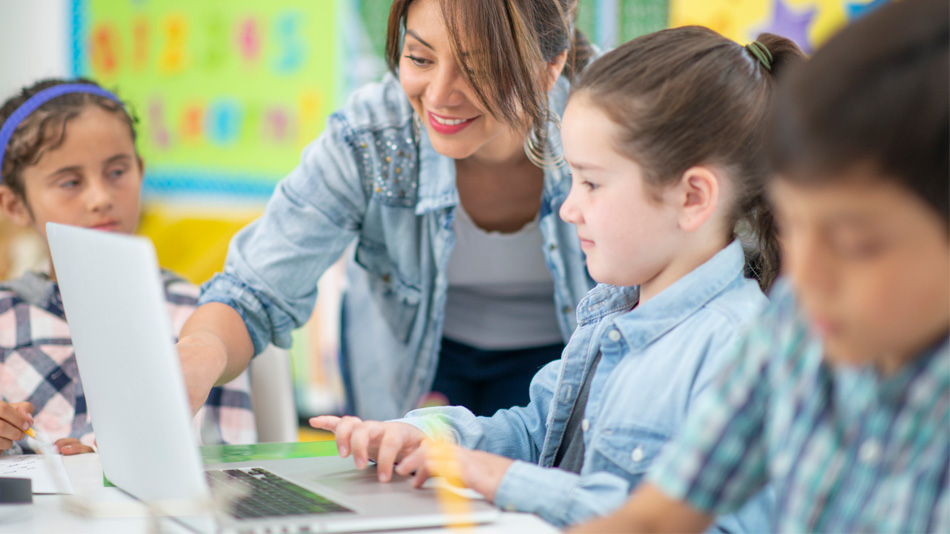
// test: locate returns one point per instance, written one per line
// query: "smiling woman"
(463, 279)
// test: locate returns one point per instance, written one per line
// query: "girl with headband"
(67, 155)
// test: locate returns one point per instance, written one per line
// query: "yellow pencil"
(37, 436)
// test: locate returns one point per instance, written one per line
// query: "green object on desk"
(219, 454)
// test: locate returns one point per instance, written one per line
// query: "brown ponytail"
(688, 96)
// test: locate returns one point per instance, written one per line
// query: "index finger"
(325, 422)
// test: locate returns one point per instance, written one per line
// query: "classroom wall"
(33, 45)
(196, 198)
(33, 42)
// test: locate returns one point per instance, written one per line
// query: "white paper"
(47, 472)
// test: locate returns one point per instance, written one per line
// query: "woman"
(446, 178)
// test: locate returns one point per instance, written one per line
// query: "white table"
(48, 515)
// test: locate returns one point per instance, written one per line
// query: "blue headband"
(37, 100)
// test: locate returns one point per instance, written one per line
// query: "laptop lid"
(122, 335)
(123, 338)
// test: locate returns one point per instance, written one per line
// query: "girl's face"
(91, 180)
(630, 238)
(870, 263)
(457, 125)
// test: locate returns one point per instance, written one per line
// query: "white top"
(501, 294)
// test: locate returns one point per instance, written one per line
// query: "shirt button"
(870, 451)
(637, 454)
(613, 335)
(585, 425)
(566, 309)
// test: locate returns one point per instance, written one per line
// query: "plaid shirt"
(37, 364)
(845, 449)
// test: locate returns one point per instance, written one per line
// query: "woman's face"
(457, 125)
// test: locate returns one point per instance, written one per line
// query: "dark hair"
(517, 37)
(688, 96)
(877, 93)
(45, 128)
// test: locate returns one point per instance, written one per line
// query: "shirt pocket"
(628, 452)
(397, 298)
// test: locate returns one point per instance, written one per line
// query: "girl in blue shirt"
(663, 137)
(838, 397)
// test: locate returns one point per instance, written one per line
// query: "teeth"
(448, 122)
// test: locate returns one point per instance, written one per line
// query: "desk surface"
(48, 515)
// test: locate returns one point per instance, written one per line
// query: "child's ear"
(14, 207)
(698, 197)
(555, 67)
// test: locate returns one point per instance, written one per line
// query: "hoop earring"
(538, 147)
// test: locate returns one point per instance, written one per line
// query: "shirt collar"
(676, 303)
(36, 288)
(928, 372)
(437, 188)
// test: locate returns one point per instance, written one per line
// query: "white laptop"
(115, 305)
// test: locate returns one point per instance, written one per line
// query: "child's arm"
(517, 433)
(14, 419)
(649, 510)
(557, 496)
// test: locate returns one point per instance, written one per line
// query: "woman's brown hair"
(688, 96)
(517, 37)
(45, 129)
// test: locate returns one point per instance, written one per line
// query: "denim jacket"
(655, 361)
(372, 185)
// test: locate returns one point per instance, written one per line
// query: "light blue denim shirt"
(656, 359)
(373, 183)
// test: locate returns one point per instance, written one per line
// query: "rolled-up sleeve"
(273, 264)
(560, 497)
(516, 433)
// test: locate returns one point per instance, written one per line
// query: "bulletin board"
(807, 22)
(227, 92)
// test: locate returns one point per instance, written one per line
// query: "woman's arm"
(269, 284)
(214, 348)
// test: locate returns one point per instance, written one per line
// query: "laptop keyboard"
(268, 495)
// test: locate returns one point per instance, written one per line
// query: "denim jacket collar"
(672, 306)
(442, 193)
